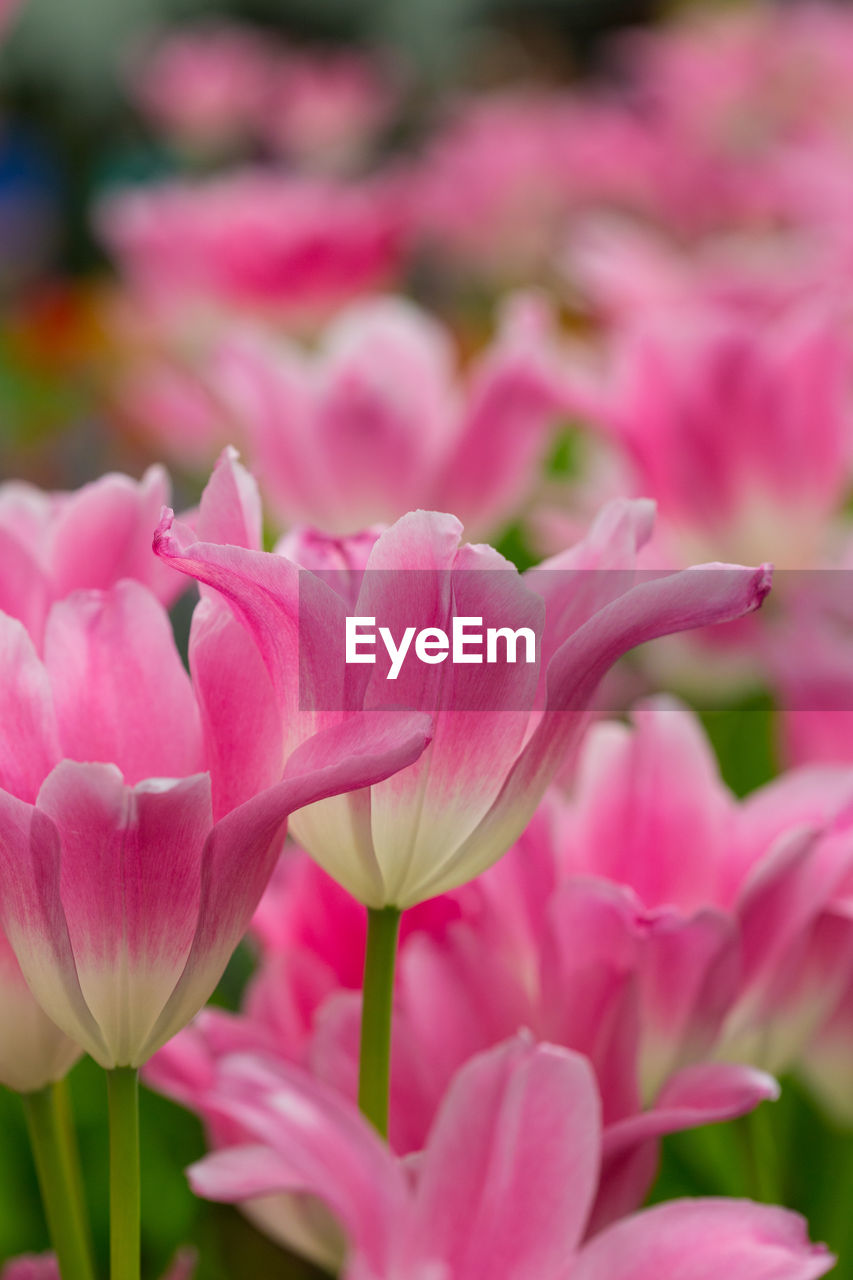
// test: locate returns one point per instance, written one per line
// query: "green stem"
(761, 1155)
(61, 1203)
(123, 1093)
(383, 928)
(71, 1156)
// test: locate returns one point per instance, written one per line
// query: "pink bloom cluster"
(223, 87)
(375, 422)
(595, 933)
(600, 944)
(503, 1186)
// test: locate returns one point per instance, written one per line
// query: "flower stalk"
(374, 1077)
(125, 1200)
(61, 1193)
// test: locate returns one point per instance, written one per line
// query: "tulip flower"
(33, 1051)
(742, 438)
(205, 88)
(448, 818)
(519, 947)
(54, 543)
(122, 897)
(502, 1188)
(502, 730)
(255, 241)
(378, 421)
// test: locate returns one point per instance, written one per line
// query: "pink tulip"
(204, 87)
(54, 543)
(325, 109)
(33, 1051)
(220, 86)
(768, 870)
(500, 180)
(443, 822)
(122, 897)
(255, 241)
(743, 950)
(502, 1188)
(520, 947)
(379, 421)
(742, 438)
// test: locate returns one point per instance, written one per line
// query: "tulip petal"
(243, 847)
(702, 1240)
(129, 883)
(34, 920)
(29, 743)
(323, 1147)
(695, 597)
(511, 1164)
(122, 695)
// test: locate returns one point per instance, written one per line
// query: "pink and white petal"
(34, 920)
(130, 884)
(811, 796)
(578, 582)
(695, 597)
(481, 711)
(323, 1148)
(689, 982)
(510, 1166)
(121, 692)
(33, 1050)
(701, 1240)
(707, 1093)
(29, 742)
(243, 847)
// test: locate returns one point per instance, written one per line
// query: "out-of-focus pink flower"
(325, 109)
(378, 422)
(743, 437)
(45, 1267)
(502, 1188)
(52, 544)
(8, 9)
(502, 729)
(498, 183)
(225, 86)
(31, 1267)
(770, 869)
(122, 897)
(33, 1051)
(204, 87)
(744, 80)
(256, 241)
(622, 269)
(809, 659)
